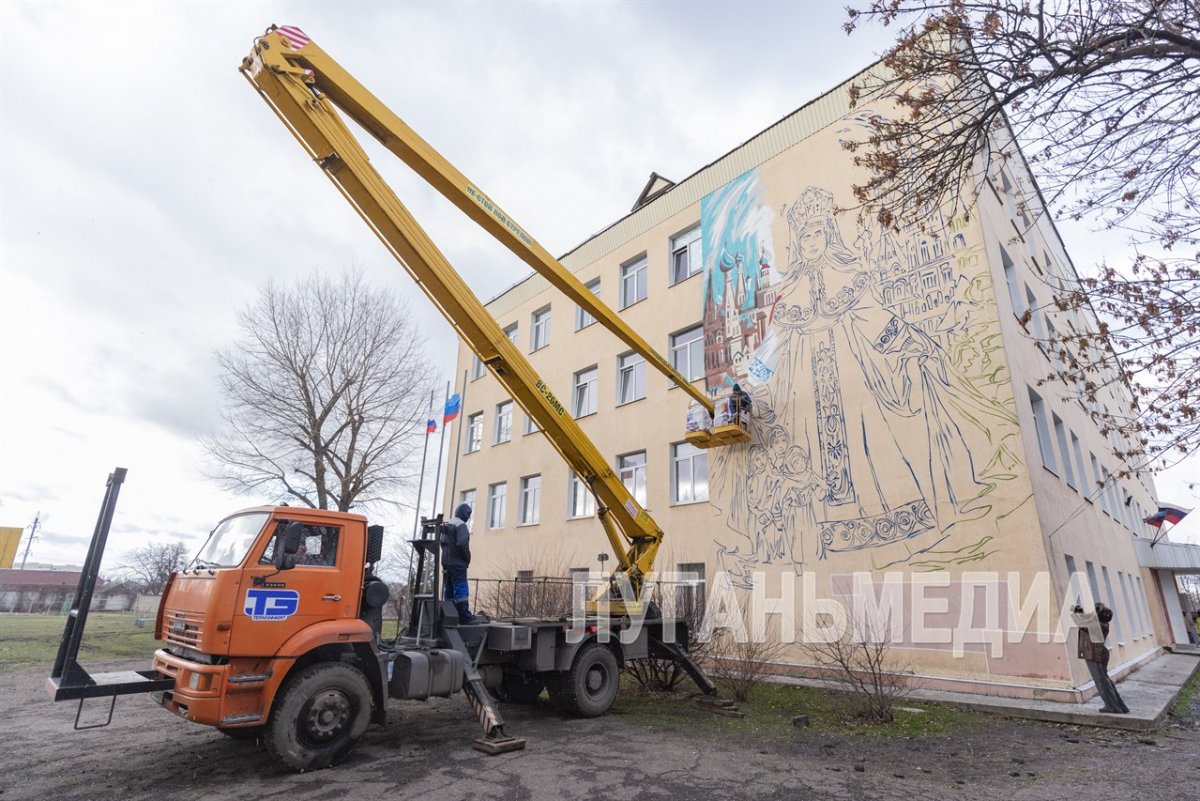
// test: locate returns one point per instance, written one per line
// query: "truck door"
(271, 610)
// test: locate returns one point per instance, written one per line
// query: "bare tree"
(863, 663)
(151, 565)
(325, 392)
(1100, 96)
(742, 663)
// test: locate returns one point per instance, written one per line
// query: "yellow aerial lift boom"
(306, 88)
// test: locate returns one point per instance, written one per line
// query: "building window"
(1072, 572)
(474, 432)
(685, 255)
(497, 503)
(1110, 494)
(531, 493)
(689, 473)
(1042, 426)
(1010, 279)
(539, 334)
(531, 427)
(632, 469)
(511, 333)
(1097, 482)
(584, 318)
(633, 282)
(1111, 600)
(1035, 317)
(689, 593)
(631, 378)
(477, 368)
(1077, 453)
(1060, 437)
(687, 353)
(585, 392)
(504, 421)
(1135, 623)
(580, 501)
(467, 496)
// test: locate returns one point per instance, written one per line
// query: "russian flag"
(1167, 514)
(453, 407)
(430, 426)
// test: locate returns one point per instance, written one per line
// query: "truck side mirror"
(285, 557)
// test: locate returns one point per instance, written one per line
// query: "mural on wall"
(870, 374)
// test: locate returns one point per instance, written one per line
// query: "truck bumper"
(226, 696)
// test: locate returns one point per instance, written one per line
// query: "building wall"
(893, 428)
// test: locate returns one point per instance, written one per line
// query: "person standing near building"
(1093, 631)
(456, 558)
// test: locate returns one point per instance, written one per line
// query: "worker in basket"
(456, 558)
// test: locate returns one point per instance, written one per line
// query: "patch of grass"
(33, 639)
(770, 711)
(1184, 700)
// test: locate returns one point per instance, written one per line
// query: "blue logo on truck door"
(271, 604)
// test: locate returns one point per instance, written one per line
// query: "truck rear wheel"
(318, 716)
(589, 687)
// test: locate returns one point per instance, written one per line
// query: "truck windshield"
(230, 541)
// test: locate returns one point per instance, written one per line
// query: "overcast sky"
(146, 193)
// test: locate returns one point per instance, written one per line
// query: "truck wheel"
(590, 686)
(318, 716)
(521, 689)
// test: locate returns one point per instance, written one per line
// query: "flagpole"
(437, 475)
(458, 443)
(421, 482)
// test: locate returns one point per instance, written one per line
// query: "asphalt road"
(425, 753)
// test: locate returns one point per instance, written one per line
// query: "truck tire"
(318, 716)
(588, 688)
(521, 689)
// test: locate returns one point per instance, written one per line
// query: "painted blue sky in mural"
(736, 228)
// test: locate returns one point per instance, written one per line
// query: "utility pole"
(32, 536)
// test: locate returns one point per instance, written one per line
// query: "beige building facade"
(905, 446)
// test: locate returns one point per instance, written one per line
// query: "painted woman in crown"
(850, 382)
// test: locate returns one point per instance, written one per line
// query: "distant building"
(46, 592)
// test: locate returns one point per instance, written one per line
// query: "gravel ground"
(425, 752)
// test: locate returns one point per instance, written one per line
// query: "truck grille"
(183, 628)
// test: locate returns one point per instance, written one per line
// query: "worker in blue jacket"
(456, 558)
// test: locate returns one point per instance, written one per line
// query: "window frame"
(636, 470)
(639, 269)
(673, 347)
(529, 495)
(493, 496)
(539, 329)
(503, 427)
(584, 318)
(474, 421)
(577, 489)
(691, 457)
(636, 368)
(694, 239)
(594, 391)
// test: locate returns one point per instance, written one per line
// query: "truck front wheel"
(318, 716)
(589, 687)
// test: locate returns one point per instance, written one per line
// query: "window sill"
(540, 347)
(685, 279)
(631, 305)
(502, 442)
(528, 525)
(689, 503)
(468, 453)
(672, 385)
(629, 402)
(589, 325)
(581, 517)
(535, 431)
(581, 416)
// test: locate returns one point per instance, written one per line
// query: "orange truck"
(274, 632)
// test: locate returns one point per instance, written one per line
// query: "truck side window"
(318, 546)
